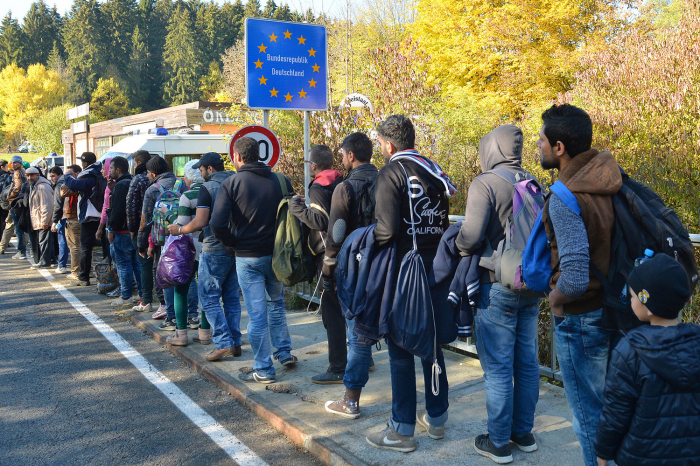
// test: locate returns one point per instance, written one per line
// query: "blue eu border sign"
(286, 65)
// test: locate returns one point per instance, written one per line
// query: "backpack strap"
(283, 184)
(319, 208)
(509, 176)
(563, 193)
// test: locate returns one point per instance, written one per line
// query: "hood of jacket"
(673, 353)
(162, 176)
(92, 170)
(258, 168)
(327, 177)
(219, 176)
(592, 172)
(41, 180)
(502, 147)
(362, 172)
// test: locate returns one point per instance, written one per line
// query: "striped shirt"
(186, 213)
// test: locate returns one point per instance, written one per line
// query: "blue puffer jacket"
(84, 184)
(651, 414)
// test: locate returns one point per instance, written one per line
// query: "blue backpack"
(537, 255)
(352, 272)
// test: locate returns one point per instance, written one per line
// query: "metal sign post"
(307, 147)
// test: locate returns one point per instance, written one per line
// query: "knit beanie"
(193, 174)
(661, 284)
(157, 165)
(16, 158)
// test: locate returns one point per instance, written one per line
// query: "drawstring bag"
(412, 316)
(176, 264)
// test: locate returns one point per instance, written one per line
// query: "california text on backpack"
(170, 198)
(288, 259)
(528, 201)
(642, 221)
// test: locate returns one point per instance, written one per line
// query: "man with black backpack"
(10, 194)
(580, 242)
(352, 207)
(412, 210)
(90, 186)
(315, 219)
(244, 218)
(505, 321)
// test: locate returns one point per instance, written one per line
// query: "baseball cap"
(210, 159)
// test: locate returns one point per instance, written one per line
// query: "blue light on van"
(161, 132)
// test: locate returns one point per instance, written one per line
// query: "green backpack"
(288, 260)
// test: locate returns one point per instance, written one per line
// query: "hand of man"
(150, 252)
(98, 235)
(142, 252)
(111, 183)
(558, 310)
(133, 234)
(110, 237)
(327, 283)
(53, 227)
(162, 209)
(174, 229)
(602, 462)
(45, 227)
(299, 198)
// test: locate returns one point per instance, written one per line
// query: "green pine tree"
(252, 9)
(119, 19)
(209, 29)
(154, 16)
(11, 42)
(232, 17)
(40, 28)
(283, 13)
(138, 84)
(84, 42)
(270, 9)
(181, 59)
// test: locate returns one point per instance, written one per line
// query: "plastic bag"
(176, 264)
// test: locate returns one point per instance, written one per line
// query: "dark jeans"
(334, 324)
(19, 233)
(403, 390)
(42, 240)
(146, 265)
(3, 216)
(87, 242)
(127, 264)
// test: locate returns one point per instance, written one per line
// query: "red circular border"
(276, 149)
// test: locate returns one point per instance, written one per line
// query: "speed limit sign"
(268, 143)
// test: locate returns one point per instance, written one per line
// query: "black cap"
(88, 157)
(157, 165)
(662, 285)
(210, 159)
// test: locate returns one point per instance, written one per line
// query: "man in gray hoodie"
(506, 322)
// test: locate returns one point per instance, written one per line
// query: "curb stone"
(303, 435)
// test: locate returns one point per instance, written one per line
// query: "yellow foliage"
(25, 94)
(516, 51)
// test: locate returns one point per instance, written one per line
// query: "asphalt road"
(67, 396)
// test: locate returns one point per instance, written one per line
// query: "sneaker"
(115, 293)
(328, 377)
(348, 407)
(435, 433)
(160, 313)
(19, 256)
(39, 266)
(289, 360)
(122, 302)
(61, 270)
(193, 323)
(72, 277)
(169, 325)
(255, 376)
(525, 442)
(485, 447)
(140, 307)
(389, 439)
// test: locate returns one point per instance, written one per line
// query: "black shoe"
(328, 377)
(82, 283)
(525, 442)
(289, 360)
(485, 447)
(193, 323)
(170, 325)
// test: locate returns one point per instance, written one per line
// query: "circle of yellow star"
(287, 34)
(301, 40)
(312, 52)
(263, 81)
(312, 83)
(273, 92)
(262, 48)
(273, 37)
(258, 64)
(302, 94)
(316, 67)
(288, 97)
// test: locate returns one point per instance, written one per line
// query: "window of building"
(116, 139)
(101, 146)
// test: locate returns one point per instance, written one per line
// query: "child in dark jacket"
(651, 412)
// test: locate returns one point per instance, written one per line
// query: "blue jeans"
(128, 267)
(62, 245)
(359, 358)
(265, 324)
(403, 390)
(218, 282)
(192, 300)
(19, 233)
(506, 340)
(583, 349)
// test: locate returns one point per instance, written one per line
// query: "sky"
(331, 7)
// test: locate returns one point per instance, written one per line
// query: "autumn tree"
(45, 130)
(110, 101)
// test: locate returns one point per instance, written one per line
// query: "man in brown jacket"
(40, 211)
(70, 214)
(579, 239)
(18, 179)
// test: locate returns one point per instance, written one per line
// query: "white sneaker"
(19, 256)
(123, 302)
(143, 307)
(61, 270)
(160, 313)
(72, 277)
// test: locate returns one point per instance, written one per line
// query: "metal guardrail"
(467, 346)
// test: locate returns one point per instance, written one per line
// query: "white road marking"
(228, 442)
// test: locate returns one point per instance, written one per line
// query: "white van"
(177, 149)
